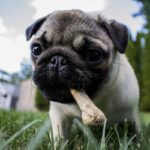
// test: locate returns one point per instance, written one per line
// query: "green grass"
(28, 130)
(145, 117)
(12, 121)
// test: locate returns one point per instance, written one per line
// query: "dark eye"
(36, 49)
(93, 56)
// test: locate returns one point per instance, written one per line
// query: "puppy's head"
(73, 49)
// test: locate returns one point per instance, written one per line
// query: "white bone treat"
(91, 115)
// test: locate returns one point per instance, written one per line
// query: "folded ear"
(32, 29)
(118, 34)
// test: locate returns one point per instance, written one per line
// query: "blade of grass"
(91, 140)
(108, 136)
(103, 144)
(2, 135)
(18, 133)
(51, 137)
(118, 137)
(72, 140)
(129, 142)
(126, 128)
(64, 145)
(39, 136)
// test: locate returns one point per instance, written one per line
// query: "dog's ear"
(32, 29)
(118, 33)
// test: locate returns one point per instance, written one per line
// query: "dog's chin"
(58, 94)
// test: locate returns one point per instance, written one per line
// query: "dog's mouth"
(60, 94)
(56, 86)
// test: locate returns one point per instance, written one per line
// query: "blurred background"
(16, 88)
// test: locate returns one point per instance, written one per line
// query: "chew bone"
(91, 115)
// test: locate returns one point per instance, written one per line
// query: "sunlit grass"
(31, 131)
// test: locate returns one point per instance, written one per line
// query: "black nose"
(58, 63)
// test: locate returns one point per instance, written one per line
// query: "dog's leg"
(61, 116)
(136, 122)
(61, 123)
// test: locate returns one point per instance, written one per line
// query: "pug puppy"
(72, 49)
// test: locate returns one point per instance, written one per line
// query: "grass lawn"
(18, 133)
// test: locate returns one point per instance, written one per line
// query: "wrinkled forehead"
(64, 26)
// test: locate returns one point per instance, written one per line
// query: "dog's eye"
(93, 56)
(36, 49)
